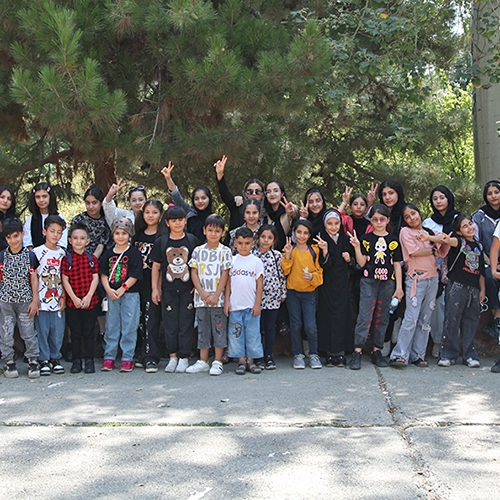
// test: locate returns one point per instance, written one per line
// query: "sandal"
(225, 357)
(397, 363)
(421, 363)
(241, 369)
(253, 368)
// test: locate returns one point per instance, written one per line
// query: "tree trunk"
(104, 172)
(486, 104)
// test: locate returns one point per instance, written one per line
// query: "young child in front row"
(242, 304)
(120, 269)
(18, 299)
(51, 319)
(210, 264)
(80, 277)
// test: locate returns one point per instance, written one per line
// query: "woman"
(7, 209)
(136, 196)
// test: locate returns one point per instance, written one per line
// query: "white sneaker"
(217, 368)
(298, 362)
(444, 362)
(198, 367)
(172, 365)
(473, 363)
(182, 365)
(315, 362)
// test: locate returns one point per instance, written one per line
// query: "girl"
(251, 215)
(42, 203)
(149, 328)
(7, 209)
(274, 288)
(391, 195)
(304, 274)
(420, 248)
(313, 208)
(279, 211)
(201, 204)
(486, 219)
(379, 254)
(335, 334)
(464, 293)
(136, 195)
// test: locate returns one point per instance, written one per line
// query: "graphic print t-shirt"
(119, 269)
(15, 275)
(50, 286)
(381, 254)
(470, 263)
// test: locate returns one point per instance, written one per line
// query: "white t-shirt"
(49, 277)
(244, 275)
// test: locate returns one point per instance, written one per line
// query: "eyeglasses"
(253, 191)
(378, 219)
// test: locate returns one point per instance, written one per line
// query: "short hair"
(78, 226)
(54, 219)
(12, 225)
(175, 213)
(215, 220)
(243, 232)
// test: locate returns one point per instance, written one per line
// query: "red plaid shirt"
(80, 277)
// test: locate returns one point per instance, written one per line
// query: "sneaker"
(127, 366)
(89, 366)
(260, 363)
(315, 362)
(33, 368)
(108, 365)
(138, 363)
(378, 359)
(435, 350)
(270, 364)
(10, 369)
(182, 365)
(496, 367)
(355, 361)
(445, 362)
(57, 368)
(217, 368)
(397, 363)
(330, 361)
(171, 366)
(298, 362)
(45, 368)
(341, 361)
(471, 363)
(151, 367)
(76, 367)
(198, 367)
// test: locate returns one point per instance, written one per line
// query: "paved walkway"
(428, 433)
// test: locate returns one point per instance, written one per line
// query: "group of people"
(332, 276)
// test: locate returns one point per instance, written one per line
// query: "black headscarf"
(275, 215)
(447, 219)
(316, 220)
(397, 209)
(487, 208)
(195, 224)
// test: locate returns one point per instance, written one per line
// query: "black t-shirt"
(381, 254)
(470, 263)
(144, 243)
(119, 269)
(175, 271)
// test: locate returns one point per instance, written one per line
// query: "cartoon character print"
(52, 282)
(380, 247)
(471, 261)
(145, 249)
(177, 267)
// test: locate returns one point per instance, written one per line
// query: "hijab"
(195, 224)
(447, 219)
(487, 208)
(316, 220)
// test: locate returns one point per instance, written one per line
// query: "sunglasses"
(378, 219)
(253, 191)
(137, 188)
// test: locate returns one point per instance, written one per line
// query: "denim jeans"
(302, 309)
(10, 314)
(416, 326)
(49, 326)
(461, 317)
(244, 335)
(122, 321)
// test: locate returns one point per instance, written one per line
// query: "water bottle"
(393, 305)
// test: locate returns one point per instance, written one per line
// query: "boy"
(171, 285)
(120, 269)
(80, 277)
(50, 322)
(210, 264)
(18, 299)
(242, 304)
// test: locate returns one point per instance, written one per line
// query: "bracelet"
(125, 286)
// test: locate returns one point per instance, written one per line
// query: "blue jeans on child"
(122, 321)
(302, 308)
(244, 335)
(49, 326)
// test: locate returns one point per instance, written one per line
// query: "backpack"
(69, 257)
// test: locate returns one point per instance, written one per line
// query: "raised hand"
(371, 196)
(304, 210)
(346, 195)
(353, 239)
(219, 167)
(288, 247)
(114, 188)
(167, 171)
(289, 206)
(322, 244)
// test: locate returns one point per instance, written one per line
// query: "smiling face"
(176, 226)
(440, 202)
(79, 240)
(15, 241)
(121, 237)
(254, 192)
(358, 207)
(493, 197)
(413, 218)
(201, 200)
(379, 222)
(273, 194)
(389, 196)
(53, 234)
(213, 234)
(332, 226)
(266, 241)
(42, 200)
(5, 201)
(93, 206)
(315, 203)
(137, 200)
(152, 215)
(251, 216)
(467, 229)
(302, 235)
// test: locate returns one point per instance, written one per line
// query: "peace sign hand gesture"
(322, 244)
(304, 210)
(289, 206)
(219, 167)
(288, 247)
(371, 196)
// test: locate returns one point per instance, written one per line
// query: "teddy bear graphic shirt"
(381, 253)
(118, 268)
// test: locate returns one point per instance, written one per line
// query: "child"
(149, 327)
(171, 285)
(210, 264)
(465, 291)
(120, 269)
(304, 274)
(274, 292)
(42, 203)
(50, 321)
(379, 254)
(242, 304)
(18, 299)
(420, 248)
(80, 277)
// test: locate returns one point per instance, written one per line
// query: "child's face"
(315, 203)
(412, 218)
(358, 207)
(379, 222)
(201, 200)
(176, 226)
(42, 199)
(302, 235)
(266, 240)
(5, 201)
(493, 196)
(389, 197)
(53, 233)
(467, 229)
(243, 245)
(213, 234)
(251, 215)
(121, 237)
(152, 215)
(137, 200)
(79, 240)
(93, 206)
(439, 201)
(332, 226)
(15, 240)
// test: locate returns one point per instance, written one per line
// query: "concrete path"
(428, 433)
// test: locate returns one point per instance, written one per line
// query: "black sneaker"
(270, 364)
(355, 361)
(260, 363)
(151, 367)
(89, 366)
(10, 369)
(496, 367)
(330, 361)
(57, 368)
(341, 361)
(378, 359)
(45, 368)
(33, 368)
(76, 367)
